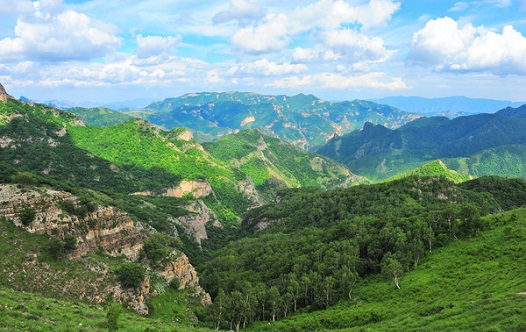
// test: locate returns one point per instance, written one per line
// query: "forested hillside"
(482, 144)
(309, 251)
(273, 164)
(303, 120)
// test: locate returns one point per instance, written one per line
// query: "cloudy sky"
(113, 50)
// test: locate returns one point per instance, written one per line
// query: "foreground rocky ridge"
(100, 229)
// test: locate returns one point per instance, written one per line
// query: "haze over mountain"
(447, 106)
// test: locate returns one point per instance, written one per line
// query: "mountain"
(273, 164)
(303, 120)
(449, 106)
(482, 144)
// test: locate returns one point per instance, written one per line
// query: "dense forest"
(308, 250)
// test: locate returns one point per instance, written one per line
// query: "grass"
(20, 311)
(471, 285)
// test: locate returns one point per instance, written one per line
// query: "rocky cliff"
(103, 228)
(194, 223)
(96, 228)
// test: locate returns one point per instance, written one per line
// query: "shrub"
(55, 248)
(114, 311)
(27, 215)
(70, 242)
(131, 275)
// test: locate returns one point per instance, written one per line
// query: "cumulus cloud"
(341, 81)
(446, 46)
(275, 31)
(48, 34)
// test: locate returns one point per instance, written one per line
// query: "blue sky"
(100, 50)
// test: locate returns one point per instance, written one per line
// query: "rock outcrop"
(196, 189)
(4, 96)
(182, 270)
(194, 223)
(104, 228)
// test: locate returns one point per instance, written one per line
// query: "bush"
(114, 311)
(131, 275)
(70, 243)
(27, 215)
(55, 248)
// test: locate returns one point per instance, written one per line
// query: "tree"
(131, 275)
(392, 269)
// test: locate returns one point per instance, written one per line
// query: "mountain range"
(303, 120)
(482, 144)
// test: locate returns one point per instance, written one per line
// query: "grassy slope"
(470, 285)
(32, 312)
(434, 169)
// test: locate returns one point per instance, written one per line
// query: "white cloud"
(271, 35)
(356, 47)
(243, 11)
(442, 43)
(150, 46)
(341, 82)
(276, 30)
(48, 34)
(268, 68)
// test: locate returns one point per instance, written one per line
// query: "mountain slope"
(273, 164)
(378, 152)
(99, 116)
(303, 120)
(473, 284)
(312, 247)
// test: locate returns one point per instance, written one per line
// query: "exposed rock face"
(195, 222)
(105, 228)
(182, 270)
(196, 188)
(3, 94)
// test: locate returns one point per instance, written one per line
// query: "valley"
(212, 211)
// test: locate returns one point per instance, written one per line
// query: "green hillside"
(99, 116)
(273, 164)
(313, 248)
(434, 169)
(474, 284)
(482, 144)
(303, 120)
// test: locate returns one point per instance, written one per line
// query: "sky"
(115, 50)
